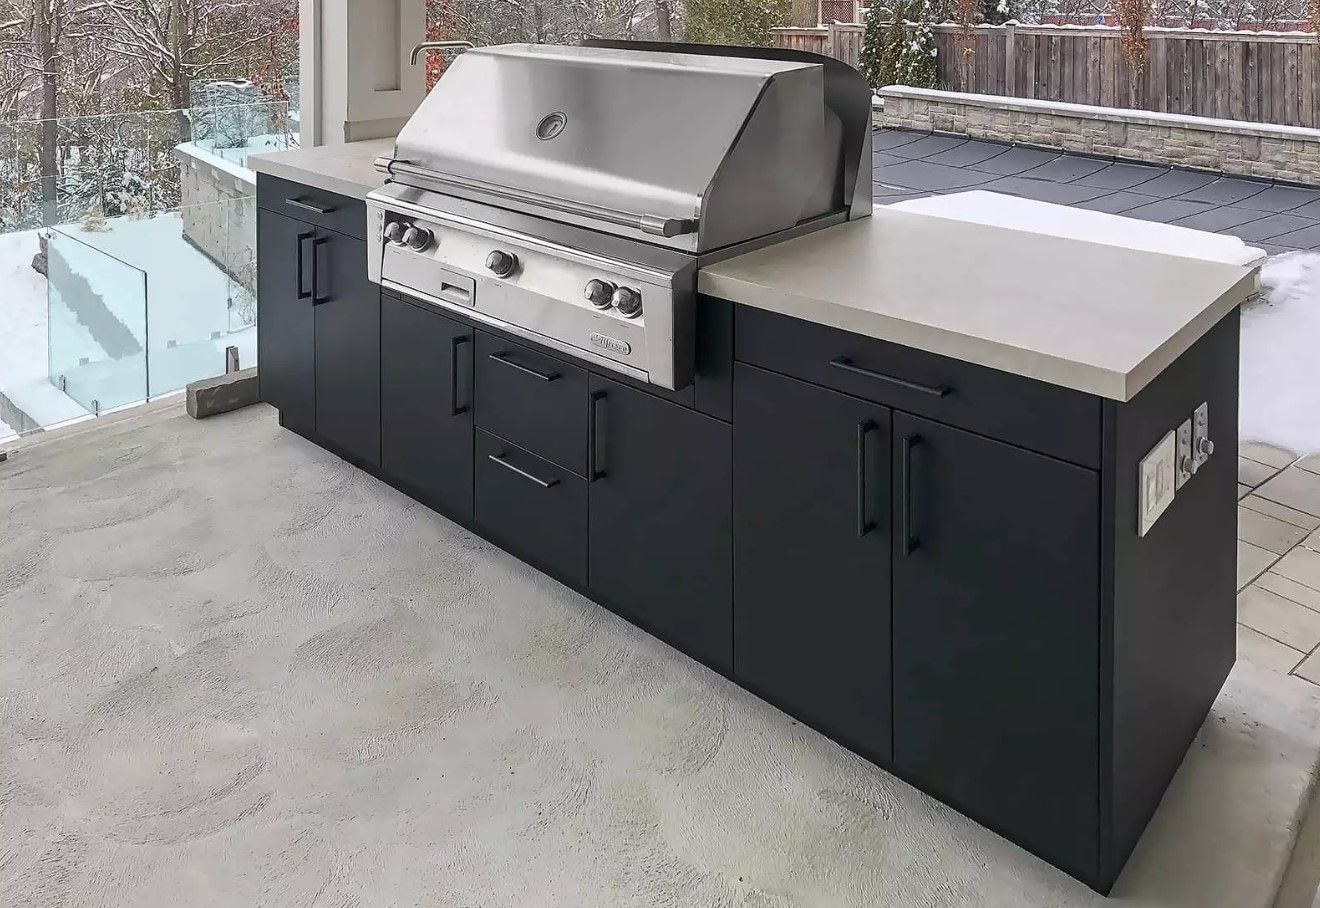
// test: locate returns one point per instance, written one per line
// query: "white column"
(356, 79)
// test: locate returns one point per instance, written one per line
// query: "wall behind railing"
(1254, 76)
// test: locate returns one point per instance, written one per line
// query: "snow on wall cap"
(993, 209)
(1112, 114)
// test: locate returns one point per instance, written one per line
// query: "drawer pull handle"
(503, 357)
(847, 365)
(864, 525)
(910, 542)
(308, 206)
(543, 483)
(455, 407)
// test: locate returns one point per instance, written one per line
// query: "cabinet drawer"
(533, 508)
(313, 206)
(536, 401)
(1035, 415)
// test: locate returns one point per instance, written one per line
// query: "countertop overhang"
(1086, 315)
(346, 169)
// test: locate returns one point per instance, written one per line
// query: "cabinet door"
(426, 404)
(347, 307)
(285, 332)
(812, 555)
(996, 635)
(660, 529)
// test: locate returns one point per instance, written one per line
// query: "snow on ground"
(980, 206)
(23, 340)
(187, 322)
(22, 310)
(1281, 356)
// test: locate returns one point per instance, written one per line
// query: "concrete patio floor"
(236, 671)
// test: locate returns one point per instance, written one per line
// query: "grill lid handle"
(411, 175)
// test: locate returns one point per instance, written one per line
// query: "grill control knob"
(599, 293)
(394, 232)
(417, 238)
(501, 263)
(628, 301)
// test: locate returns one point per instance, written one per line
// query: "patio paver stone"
(1252, 560)
(1290, 589)
(1281, 511)
(1257, 648)
(1280, 618)
(1268, 532)
(1302, 565)
(1296, 488)
(1269, 454)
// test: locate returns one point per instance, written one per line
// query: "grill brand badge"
(612, 344)
(551, 125)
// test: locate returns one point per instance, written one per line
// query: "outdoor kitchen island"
(960, 496)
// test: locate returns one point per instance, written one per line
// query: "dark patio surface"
(1274, 217)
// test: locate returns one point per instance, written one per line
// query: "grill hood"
(694, 150)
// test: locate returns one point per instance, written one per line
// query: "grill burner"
(570, 194)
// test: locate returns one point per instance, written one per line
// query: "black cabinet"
(347, 308)
(533, 508)
(286, 332)
(996, 635)
(536, 401)
(426, 404)
(812, 555)
(661, 499)
(934, 563)
(318, 333)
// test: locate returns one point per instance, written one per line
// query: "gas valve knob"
(417, 238)
(394, 232)
(501, 263)
(599, 293)
(628, 301)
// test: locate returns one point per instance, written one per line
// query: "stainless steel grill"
(570, 194)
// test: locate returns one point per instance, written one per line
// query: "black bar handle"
(864, 525)
(317, 298)
(543, 483)
(302, 238)
(594, 434)
(308, 206)
(910, 542)
(455, 408)
(502, 356)
(847, 365)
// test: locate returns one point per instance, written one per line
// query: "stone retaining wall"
(1289, 153)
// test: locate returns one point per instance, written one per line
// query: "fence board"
(1269, 78)
(1306, 103)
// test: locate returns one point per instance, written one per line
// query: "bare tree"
(172, 43)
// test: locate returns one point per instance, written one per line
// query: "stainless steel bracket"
(1184, 463)
(1202, 446)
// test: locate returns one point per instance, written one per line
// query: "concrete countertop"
(1068, 310)
(1087, 315)
(345, 169)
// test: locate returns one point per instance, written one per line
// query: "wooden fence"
(1263, 78)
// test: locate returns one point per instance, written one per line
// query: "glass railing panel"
(232, 132)
(96, 324)
(202, 292)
